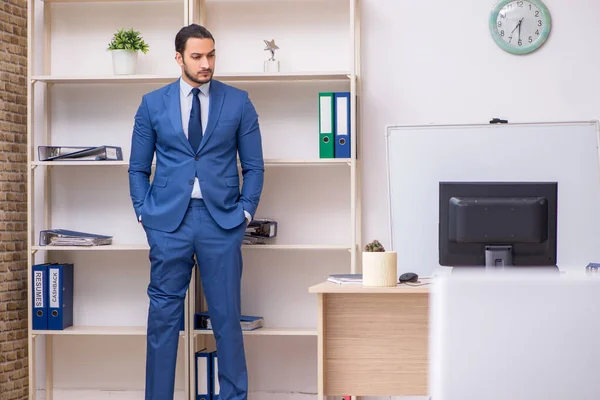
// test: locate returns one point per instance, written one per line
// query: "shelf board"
(284, 76)
(296, 247)
(111, 247)
(79, 163)
(266, 331)
(110, 1)
(96, 331)
(143, 247)
(141, 331)
(105, 79)
(268, 162)
(230, 77)
(307, 162)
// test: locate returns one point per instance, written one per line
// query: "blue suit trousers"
(218, 252)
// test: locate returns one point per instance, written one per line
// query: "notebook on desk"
(345, 279)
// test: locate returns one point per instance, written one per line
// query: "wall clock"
(520, 26)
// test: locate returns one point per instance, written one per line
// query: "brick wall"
(13, 200)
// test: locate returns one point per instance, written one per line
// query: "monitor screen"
(497, 224)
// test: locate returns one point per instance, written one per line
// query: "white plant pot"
(379, 268)
(124, 61)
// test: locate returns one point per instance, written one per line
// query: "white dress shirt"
(186, 99)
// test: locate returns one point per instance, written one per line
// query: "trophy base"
(272, 66)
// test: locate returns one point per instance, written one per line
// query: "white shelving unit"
(228, 78)
(74, 99)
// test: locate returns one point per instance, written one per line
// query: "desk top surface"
(330, 287)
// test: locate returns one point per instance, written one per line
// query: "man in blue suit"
(196, 126)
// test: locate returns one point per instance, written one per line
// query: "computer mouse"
(409, 277)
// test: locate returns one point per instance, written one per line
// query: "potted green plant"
(379, 265)
(124, 47)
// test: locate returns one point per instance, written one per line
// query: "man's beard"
(193, 78)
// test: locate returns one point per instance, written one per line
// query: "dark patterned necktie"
(195, 124)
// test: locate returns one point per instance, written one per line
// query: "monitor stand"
(498, 257)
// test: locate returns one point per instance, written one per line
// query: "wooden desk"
(372, 341)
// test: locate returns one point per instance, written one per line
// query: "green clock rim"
(525, 49)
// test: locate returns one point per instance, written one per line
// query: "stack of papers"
(63, 237)
(254, 240)
(83, 153)
(248, 322)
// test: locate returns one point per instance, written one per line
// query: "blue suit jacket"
(232, 128)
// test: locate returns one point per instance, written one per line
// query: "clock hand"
(520, 28)
(517, 26)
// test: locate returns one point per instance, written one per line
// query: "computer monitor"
(497, 224)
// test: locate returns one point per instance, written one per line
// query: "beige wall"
(431, 62)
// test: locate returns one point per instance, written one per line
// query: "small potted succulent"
(379, 266)
(124, 47)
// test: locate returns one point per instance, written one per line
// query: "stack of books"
(345, 279)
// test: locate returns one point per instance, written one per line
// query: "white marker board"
(419, 157)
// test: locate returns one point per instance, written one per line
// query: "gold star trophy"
(271, 65)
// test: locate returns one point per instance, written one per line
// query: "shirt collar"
(186, 88)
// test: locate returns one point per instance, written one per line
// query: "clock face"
(520, 26)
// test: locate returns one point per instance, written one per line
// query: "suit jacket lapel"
(217, 95)
(172, 102)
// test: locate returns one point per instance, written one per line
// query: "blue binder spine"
(203, 376)
(215, 375)
(342, 129)
(60, 304)
(39, 283)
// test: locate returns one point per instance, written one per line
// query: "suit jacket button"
(196, 158)
(191, 181)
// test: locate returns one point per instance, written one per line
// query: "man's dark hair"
(190, 31)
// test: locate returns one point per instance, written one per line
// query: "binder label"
(54, 288)
(326, 117)
(38, 279)
(342, 116)
(216, 385)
